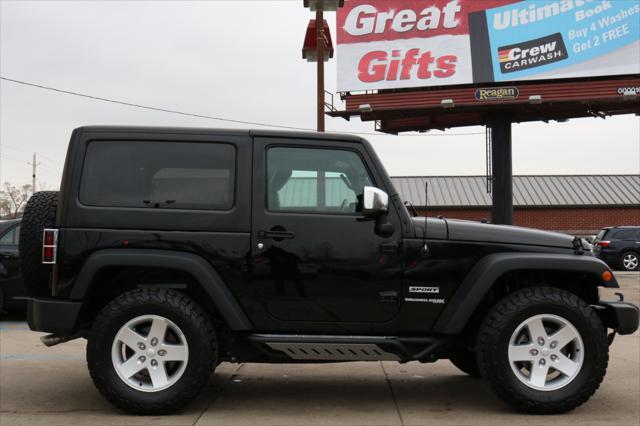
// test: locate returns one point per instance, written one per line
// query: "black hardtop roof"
(342, 137)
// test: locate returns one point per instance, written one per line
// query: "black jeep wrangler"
(172, 250)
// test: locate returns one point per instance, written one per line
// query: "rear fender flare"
(201, 270)
(484, 274)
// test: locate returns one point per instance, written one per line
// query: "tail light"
(603, 243)
(49, 245)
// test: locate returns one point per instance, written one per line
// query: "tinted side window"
(11, 237)
(165, 175)
(623, 234)
(315, 180)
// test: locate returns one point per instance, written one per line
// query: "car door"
(10, 276)
(314, 257)
(623, 239)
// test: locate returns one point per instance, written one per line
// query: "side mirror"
(375, 202)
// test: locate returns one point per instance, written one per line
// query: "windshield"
(601, 234)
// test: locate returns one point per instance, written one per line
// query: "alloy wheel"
(150, 353)
(546, 352)
(630, 262)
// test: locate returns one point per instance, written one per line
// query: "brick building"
(574, 204)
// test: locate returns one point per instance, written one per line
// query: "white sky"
(235, 59)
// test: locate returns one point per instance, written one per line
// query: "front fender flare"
(485, 272)
(201, 270)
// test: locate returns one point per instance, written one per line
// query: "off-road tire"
(181, 310)
(495, 333)
(465, 360)
(40, 213)
(627, 253)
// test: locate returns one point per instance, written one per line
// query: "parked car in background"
(619, 247)
(11, 284)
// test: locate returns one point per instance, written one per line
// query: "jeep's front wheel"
(151, 351)
(543, 350)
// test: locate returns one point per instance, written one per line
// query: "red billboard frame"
(423, 109)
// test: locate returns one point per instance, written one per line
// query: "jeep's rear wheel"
(39, 213)
(151, 351)
(543, 350)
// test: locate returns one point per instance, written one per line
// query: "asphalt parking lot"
(51, 386)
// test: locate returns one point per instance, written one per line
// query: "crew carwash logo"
(532, 53)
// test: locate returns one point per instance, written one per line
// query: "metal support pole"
(320, 47)
(502, 212)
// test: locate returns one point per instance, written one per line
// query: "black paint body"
(335, 276)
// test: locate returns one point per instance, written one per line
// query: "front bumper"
(623, 317)
(51, 315)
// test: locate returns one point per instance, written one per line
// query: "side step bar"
(304, 347)
(333, 351)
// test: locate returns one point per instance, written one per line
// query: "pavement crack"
(393, 393)
(218, 393)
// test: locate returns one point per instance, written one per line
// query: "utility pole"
(318, 47)
(34, 165)
(320, 73)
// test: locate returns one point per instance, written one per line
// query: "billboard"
(388, 44)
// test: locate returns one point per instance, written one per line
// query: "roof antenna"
(424, 251)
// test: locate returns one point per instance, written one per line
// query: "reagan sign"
(386, 44)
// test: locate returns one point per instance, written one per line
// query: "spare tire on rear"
(40, 213)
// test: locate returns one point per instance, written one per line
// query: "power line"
(49, 169)
(171, 111)
(15, 147)
(44, 167)
(25, 161)
(208, 117)
(53, 162)
(36, 166)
